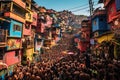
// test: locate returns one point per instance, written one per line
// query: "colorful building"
(100, 30)
(13, 19)
(113, 19)
(28, 34)
(25, 29)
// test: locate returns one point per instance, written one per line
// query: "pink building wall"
(40, 27)
(34, 23)
(49, 21)
(26, 31)
(11, 59)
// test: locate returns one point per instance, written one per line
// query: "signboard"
(13, 44)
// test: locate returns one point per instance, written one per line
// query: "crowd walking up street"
(79, 66)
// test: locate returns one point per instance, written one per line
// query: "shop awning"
(106, 37)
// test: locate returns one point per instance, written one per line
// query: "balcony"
(3, 37)
(29, 16)
(20, 3)
(14, 16)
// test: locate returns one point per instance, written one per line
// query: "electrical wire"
(78, 7)
(82, 8)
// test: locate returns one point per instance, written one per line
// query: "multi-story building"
(113, 19)
(12, 14)
(28, 34)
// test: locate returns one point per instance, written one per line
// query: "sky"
(78, 7)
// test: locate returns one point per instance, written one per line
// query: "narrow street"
(58, 51)
(59, 40)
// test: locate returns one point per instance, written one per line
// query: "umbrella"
(70, 53)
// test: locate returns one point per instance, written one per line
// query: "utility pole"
(91, 7)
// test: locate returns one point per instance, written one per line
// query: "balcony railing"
(3, 37)
(20, 12)
(20, 2)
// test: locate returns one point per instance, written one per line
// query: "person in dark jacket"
(87, 60)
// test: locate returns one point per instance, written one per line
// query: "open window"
(16, 27)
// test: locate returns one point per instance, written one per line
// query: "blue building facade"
(99, 24)
(117, 5)
(14, 28)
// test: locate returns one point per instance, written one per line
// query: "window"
(34, 19)
(1, 54)
(27, 26)
(16, 27)
(95, 22)
(29, 15)
(27, 5)
(101, 19)
(1, 32)
(18, 11)
(16, 53)
(5, 6)
(2, 36)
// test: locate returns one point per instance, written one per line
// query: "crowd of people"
(71, 67)
(58, 66)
